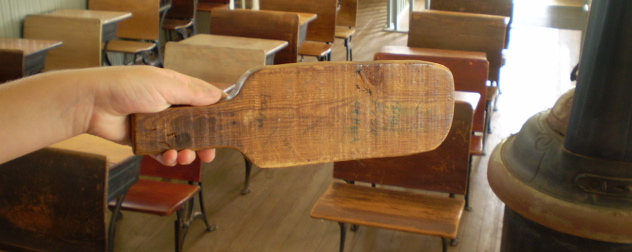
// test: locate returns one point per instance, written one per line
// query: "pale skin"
(46, 108)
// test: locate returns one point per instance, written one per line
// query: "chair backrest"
(490, 7)
(461, 31)
(444, 169)
(182, 9)
(469, 70)
(145, 20)
(323, 28)
(347, 15)
(53, 199)
(191, 172)
(12, 62)
(260, 24)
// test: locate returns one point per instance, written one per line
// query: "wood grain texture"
(216, 58)
(53, 200)
(444, 169)
(469, 70)
(305, 113)
(81, 39)
(391, 209)
(145, 20)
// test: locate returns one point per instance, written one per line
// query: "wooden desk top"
(28, 46)
(115, 153)
(304, 18)
(104, 16)
(269, 46)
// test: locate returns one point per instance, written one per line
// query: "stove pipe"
(566, 177)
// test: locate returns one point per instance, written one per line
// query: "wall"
(12, 12)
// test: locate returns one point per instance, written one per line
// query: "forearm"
(41, 110)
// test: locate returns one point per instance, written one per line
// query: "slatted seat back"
(260, 24)
(323, 28)
(444, 169)
(461, 31)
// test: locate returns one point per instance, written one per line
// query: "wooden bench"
(262, 24)
(444, 169)
(469, 70)
(320, 32)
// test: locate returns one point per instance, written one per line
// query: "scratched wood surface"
(306, 113)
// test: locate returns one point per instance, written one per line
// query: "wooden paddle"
(306, 113)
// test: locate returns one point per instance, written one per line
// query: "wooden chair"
(260, 24)
(138, 35)
(166, 198)
(180, 19)
(469, 70)
(463, 32)
(320, 32)
(444, 169)
(345, 24)
(490, 7)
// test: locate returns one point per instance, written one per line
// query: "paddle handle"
(186, 127)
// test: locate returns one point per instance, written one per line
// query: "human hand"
(121, 91)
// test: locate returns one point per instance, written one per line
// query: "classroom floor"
(544, 46)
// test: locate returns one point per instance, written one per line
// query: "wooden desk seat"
(262, 24)
(166, 198)
(180, 19)
(469, 70)
(133, 47)
(322, 51)
(322, 30)
(402, 207)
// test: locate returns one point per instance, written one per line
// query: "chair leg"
(115, 216)
(203, 211)
(343, 235)
(444, 244)
(179, 230)
(348, 46)
(467, 188)
(246, 189)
